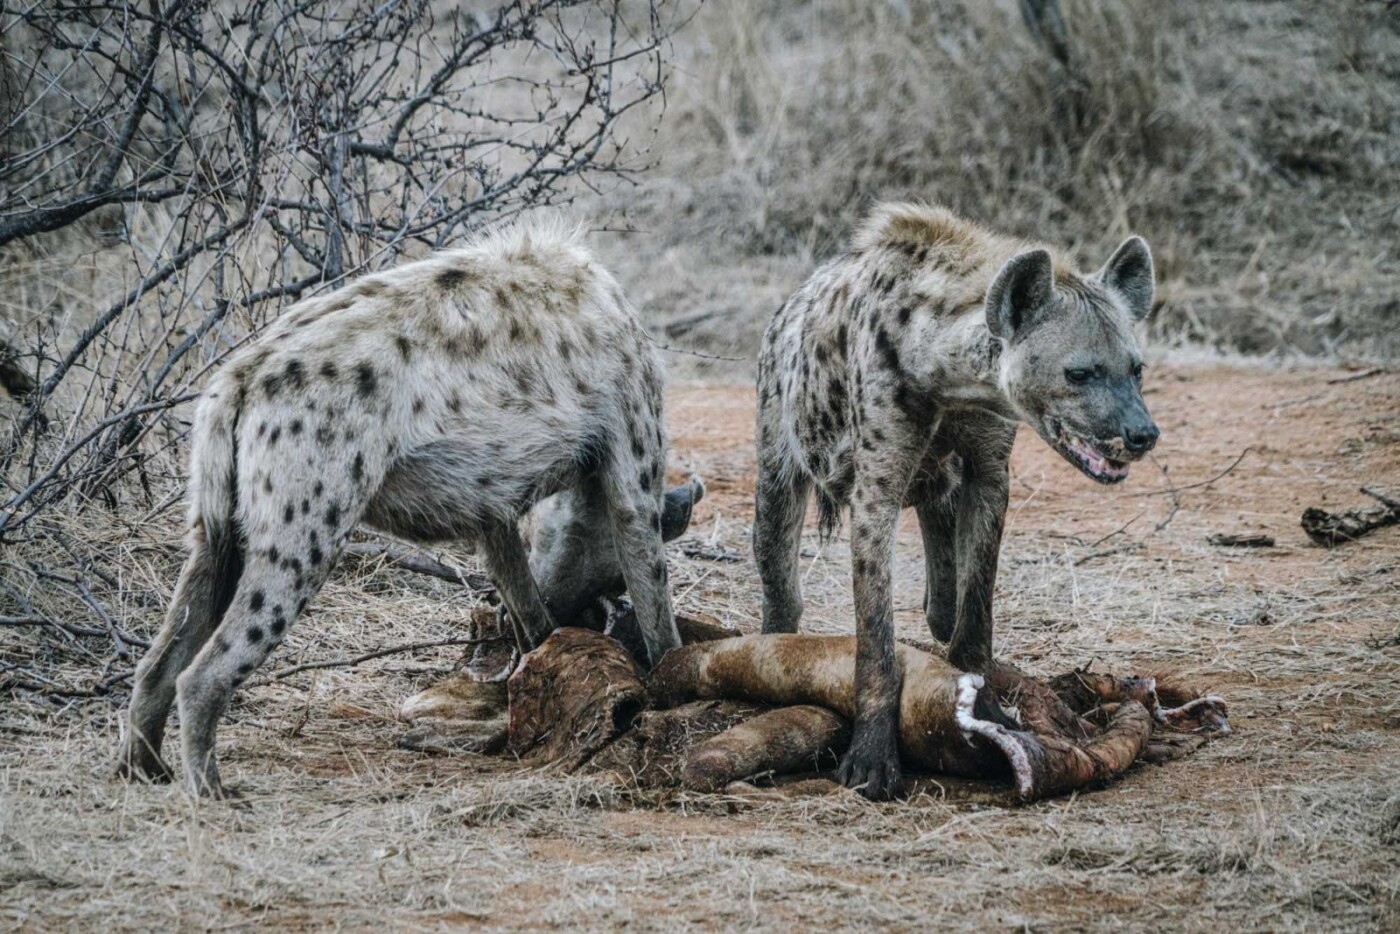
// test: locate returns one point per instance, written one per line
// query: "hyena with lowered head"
(439, 400)
(895, 376)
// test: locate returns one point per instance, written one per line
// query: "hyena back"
(895, 376)
(439, 400)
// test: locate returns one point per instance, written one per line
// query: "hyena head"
(572, 554)
(1070, 364)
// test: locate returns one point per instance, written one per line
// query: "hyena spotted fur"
(440, 400)
(896, 376)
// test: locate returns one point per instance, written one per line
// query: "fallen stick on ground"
(1336, 528)
(419, 563)
(367, 657)
(1241, 540)
(1354, 377)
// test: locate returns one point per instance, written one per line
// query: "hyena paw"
(213, 791)
(140, 765)
(871, 764)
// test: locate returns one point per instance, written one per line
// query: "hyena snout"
(1140, 437)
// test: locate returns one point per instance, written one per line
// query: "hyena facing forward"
(440, 400)
(895, 377)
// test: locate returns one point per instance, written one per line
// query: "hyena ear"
(1022, 289)
(1129, 273)
(677, 505)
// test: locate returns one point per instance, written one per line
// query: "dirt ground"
(1292, 822)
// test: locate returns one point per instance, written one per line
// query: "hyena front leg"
(981, 516)
(508, 566)
(871, 763)
(936, 503)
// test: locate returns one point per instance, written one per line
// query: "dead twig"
(1107, 552)
(1289, 403)
(421, 563)
(1176, 499)
(698, 353)
(1118, 531)
(1354, 377)
(1173, 491)
(1390, 501)
(1176, 507)
(23, 679)
(1241, 540)
(121, 639)
(123, 652)
(704, 552)
(368, 656)
(67, 630)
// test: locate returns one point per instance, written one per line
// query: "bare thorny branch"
(218, 161)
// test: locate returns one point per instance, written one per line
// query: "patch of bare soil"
(1293, 822)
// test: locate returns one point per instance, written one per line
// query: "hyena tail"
(213, 494)
(828, 516)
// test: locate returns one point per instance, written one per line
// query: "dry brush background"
(1254, 144)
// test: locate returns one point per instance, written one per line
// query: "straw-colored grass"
(1292, 823)
(1254, 145)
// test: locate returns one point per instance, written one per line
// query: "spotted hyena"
(895, 376)
(440, 400)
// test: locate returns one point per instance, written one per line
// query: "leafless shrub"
(213, 162)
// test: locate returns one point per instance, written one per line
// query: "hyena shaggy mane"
(440, 400)
(895, 377)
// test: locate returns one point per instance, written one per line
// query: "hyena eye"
(1137, 372)
(1079, 375)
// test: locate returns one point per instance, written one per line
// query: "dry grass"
(1293, 823)
(1253, 144)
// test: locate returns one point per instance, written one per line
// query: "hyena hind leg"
(937, 507)
(779, 510)
(206, 586)
(272, 593)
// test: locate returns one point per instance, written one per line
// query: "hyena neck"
(963, 367)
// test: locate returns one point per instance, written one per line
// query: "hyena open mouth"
(1084, 454)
